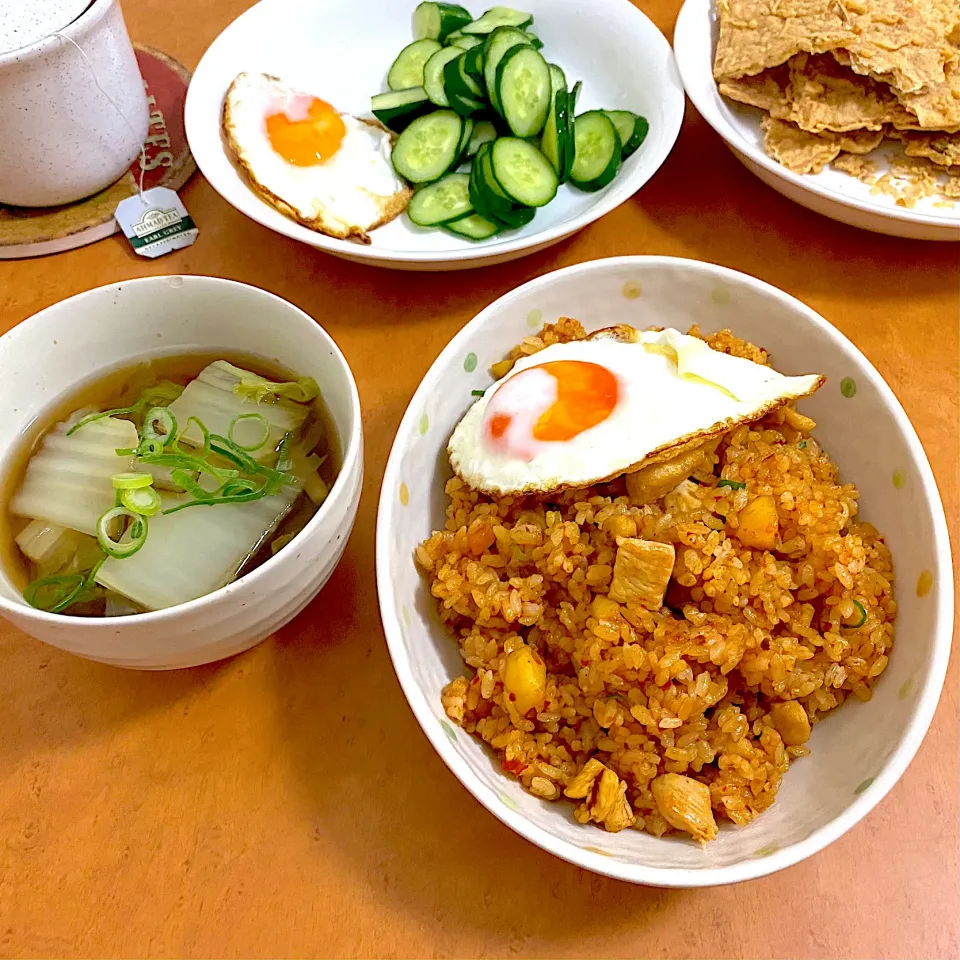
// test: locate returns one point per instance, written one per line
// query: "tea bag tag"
(156, 222)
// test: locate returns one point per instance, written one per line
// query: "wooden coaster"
(35, 232)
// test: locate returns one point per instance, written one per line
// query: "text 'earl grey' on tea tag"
(156, 222)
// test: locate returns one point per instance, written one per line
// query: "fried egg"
(584, 412)
(328, 170)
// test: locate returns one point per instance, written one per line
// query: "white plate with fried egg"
(337, 52)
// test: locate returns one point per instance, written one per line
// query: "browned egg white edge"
(627, 334)
(397, 205)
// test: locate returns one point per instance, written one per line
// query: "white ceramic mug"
(62, 139)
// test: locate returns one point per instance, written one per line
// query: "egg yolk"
(586, 394)
(312, 138)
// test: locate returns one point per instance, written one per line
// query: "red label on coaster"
(165, 148)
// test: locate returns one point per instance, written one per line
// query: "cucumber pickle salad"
(487, 126)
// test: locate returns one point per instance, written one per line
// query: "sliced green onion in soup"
(249, 431)
(732, 484)
(160, 424)
(116, 412)
(131, 481)
(144, 501)
(55, 594)
(112, 543)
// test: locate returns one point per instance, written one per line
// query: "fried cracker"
(937, 106)
(942, 148)
(767, 90)
(824, 95)
(796, 149)
(805, 152)
(757, 34)
(902, 42)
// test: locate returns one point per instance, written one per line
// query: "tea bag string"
(115, 105)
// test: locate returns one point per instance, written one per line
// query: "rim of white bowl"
(609, 199)
(926, 702)
(351, 451)
(689, 21)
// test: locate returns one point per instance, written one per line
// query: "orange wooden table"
(286, 803)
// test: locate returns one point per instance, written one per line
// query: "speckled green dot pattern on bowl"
(534, 319)
(509, 802)
(720, 296)
(767, 850)
(899, 479)
(906, 688)
(470, 362)
(848, 387)
(632, 290)
(924, 583)
(404, 494)
(864, 785)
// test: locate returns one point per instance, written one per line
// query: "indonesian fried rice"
(666, 711)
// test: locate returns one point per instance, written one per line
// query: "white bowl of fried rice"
(660, 728)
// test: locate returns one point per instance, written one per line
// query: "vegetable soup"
(159, 483)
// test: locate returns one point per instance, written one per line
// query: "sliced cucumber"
(464, 42)
(473, 228)
(456, 80)
(498, 43)
(523, 171)
(435, 21)
(427, 149)
(535, 41)
(501, 208)
(407, 69)
(558, 79)
(465, 137)
(499, 17)
(465, 106)
(631, 128)
(556, 133)
(568, 148)
(487, 196)
(575, 93)
(523, 90)
(473, 64)
(442, 202)
(397, 109)
(433, 75)
(483, 132)
(598, 152)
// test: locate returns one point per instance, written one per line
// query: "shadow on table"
(386, 808)
(78, 699)
(705, 198)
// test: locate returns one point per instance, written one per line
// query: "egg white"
(672, 389)
(355, 191)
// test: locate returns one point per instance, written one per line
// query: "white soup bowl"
(55, 352)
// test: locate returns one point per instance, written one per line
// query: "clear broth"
(120, 388)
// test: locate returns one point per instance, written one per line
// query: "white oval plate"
(342, 49)
(831, 193)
